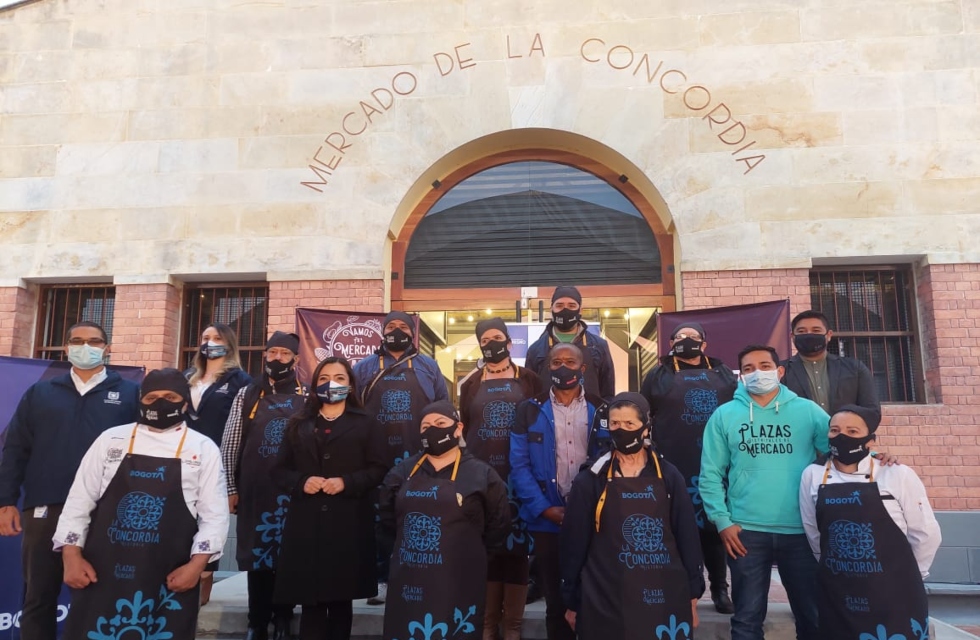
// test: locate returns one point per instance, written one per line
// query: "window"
(242, 307)
(64, 305)
(872, 315)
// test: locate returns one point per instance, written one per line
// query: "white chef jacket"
(910, 508)
(202, 481)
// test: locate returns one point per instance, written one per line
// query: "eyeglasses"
(693, 336)
(624, 425)
(92, 342)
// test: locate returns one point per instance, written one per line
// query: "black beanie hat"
(634, 398)
(283, 340)
(871, 417)
(689, 325)
(442, 407)
(491, 323)
(404, 317)
(166, 380)
(566, 292)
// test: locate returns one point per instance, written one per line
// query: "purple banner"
(728, 329)
(16, 376)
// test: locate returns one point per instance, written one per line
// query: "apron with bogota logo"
(678, 425)
(493, 410)
(141, 530)
(634, 585)
(869, 584)
(262, 506)
(437, 585)
(394, 398)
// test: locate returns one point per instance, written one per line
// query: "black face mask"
(397, 340)
(566, 319)
(850, 450)
(278, 370)
(810, 344)
(438, 440)
(162, 414)
(565, 378)
(627, 441)
(688, 348)
(495, 351)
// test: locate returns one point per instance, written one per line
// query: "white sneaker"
(382, 594)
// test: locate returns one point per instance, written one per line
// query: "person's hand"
(694, 613)
(555, 514)
(313, 484)
(729, 537)
(186, 576)
(886, 459)
(233, 503)
(9, 521)
(333, 486)
(79, 573)
(570, 618)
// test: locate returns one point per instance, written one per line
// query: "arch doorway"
(494, 237)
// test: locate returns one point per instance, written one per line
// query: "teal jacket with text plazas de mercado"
(753, 458)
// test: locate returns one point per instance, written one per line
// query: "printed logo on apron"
(644, 546)
(269, 531)
(272, 436)
(396, 404)
(852, 549)
(140, 617)
(137, 519)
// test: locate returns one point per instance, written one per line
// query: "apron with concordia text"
(437, 585)
(141, 531)
(395, 398)
(262, 506)
(488, 439)
(678, 425)
(634, 585)
(869, 584)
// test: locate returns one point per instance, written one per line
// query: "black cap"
(871, 417)
(283, 340)
(404, 317)
(689, 325)
(491, 323)
(166, 380)
(566, 292)
(441, 407)
(634, 398)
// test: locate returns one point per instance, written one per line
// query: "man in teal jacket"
(755, 450)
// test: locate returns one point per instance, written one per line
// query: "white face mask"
(761, 382)
(85, 356)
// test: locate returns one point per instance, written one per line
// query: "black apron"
(262, 506)
(488, 439)
(869, 583)
(634, 585)
(438, 574)
(678, 425)
(140, 531)
(395, 398)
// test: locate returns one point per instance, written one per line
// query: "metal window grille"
(64, 305)
(242, 307)
(872, 315)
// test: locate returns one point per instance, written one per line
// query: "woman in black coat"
(333, 456)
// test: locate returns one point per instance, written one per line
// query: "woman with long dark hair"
(333, 456)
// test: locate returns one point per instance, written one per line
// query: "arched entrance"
(521, 222)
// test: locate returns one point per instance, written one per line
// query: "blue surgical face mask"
(761, 382)
(85, 356)
(212, 350)
(333, 392)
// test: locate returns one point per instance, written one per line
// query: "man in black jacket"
(683, 390)
(829, 380)
(55, 423)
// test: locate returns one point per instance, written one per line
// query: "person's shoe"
(382, 594)
(723, 604)
(280, 630)
(533, 592)
(254, 633)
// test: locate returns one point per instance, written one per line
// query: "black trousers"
(327, 621)
(43, 575)
(715, 557)
(549, 570)
(261, 585)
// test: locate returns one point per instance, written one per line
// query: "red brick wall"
(18, 308)
(342, 295)
(145, 325)
(940, 440)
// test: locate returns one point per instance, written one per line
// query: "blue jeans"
(752, 574)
